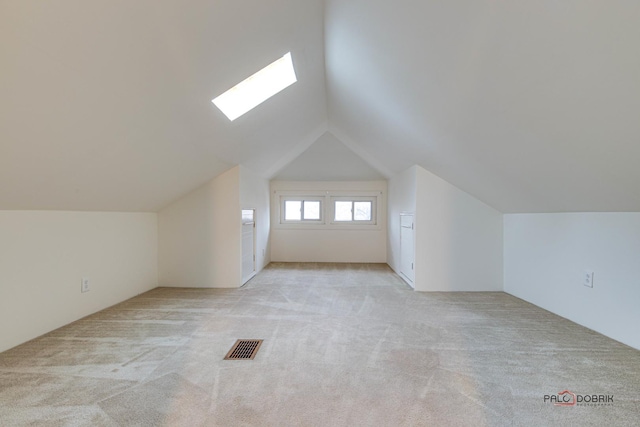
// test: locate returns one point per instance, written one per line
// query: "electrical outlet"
(85, 285)
(588, 279)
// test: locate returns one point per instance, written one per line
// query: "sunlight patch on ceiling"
(257, 88)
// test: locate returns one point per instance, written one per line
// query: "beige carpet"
(344, 345)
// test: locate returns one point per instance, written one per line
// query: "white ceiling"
(106, 104)
(329, 159)
(529, 106)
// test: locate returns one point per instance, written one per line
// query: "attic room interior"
(433, 220)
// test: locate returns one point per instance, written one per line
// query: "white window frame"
(332, 208)
(325, 197)
(302, 199)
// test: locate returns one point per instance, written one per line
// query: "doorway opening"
(407, 249)
(248, 244)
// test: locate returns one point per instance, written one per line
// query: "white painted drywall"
(199, 236)
(324, 243)
(328, 159)
(136, 130)
(254, 194)
(546, 256)
(458, 239)
(45, 254)
(402, 198)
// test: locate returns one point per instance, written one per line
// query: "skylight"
(256, 89)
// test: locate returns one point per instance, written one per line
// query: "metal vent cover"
(243, 350)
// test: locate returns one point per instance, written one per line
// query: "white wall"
(327, 243)
(402, 198)
(458, 239)
(546, 256)
(328, 159)
(44, 255)
(200, 236)
(254, 194)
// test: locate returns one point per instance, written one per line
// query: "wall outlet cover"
(588, 279)
(85, 284)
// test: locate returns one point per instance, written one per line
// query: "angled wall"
(458, 239)
(402, 199)
(45, 254)
(199, 236)
(546, 257)
(254, 194)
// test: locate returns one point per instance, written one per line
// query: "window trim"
(332, 207)
(324, 194)
(302, 199)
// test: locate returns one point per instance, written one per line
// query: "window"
(360, 210)
(257, 88)
(317, 208)
(247, 215)
(297, 209)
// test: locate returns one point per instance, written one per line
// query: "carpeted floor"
(344, 345)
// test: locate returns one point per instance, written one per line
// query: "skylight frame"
(257, 88)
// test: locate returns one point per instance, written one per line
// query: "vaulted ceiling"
(529, 106)
(329, 159)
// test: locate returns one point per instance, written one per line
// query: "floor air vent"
(243, 349)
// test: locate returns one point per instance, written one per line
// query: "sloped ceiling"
(329, 159)
(106, 104)
(529, 106)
